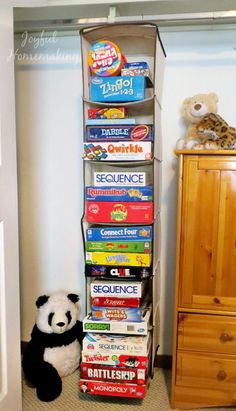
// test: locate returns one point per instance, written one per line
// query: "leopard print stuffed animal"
(215, 133)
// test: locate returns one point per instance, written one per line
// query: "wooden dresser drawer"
(208, 333)
(206, 371)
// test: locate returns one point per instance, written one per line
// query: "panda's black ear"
(41, 300)
(73, 297)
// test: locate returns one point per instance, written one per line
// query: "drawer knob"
(221, 375)
(216, 300)
(225, 337)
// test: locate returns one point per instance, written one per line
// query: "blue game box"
(129, 233)
(117, 89)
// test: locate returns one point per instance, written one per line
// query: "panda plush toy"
(54, 349)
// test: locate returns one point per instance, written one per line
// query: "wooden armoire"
(204, 341)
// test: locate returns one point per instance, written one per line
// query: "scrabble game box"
(116, 302)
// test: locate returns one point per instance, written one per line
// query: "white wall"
(49, 131)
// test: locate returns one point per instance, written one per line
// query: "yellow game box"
(122, 259)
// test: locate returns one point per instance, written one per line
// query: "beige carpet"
(157, 398)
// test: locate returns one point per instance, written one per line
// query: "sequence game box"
(104, 179)
(119, 344)
(117, 288)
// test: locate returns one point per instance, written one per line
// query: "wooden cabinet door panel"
(208, 237)
(207, 333)
(201, 191)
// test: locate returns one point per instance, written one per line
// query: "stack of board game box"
(118, 220)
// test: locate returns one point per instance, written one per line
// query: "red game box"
(113, 389)
(112, 212)
(113, 373)
(116, 302)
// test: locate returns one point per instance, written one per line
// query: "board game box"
(117, 212)
(110, 271)
(140, 233)
(123, 259)
(123, 132)
(118, 327)
(117, 288)
(118, 313)
(119, 344)
(113, 389)
(113, 373)
(113, 358)
(117, 89)
(120, 246)
(116, 302)
(118, 151)
(125, 193)
(104, 179)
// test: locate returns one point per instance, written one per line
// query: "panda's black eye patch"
(68, 314)
(50, 317)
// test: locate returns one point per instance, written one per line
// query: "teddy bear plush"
(193, 110)
(54, 349)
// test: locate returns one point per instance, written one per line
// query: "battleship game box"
(113, 373)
